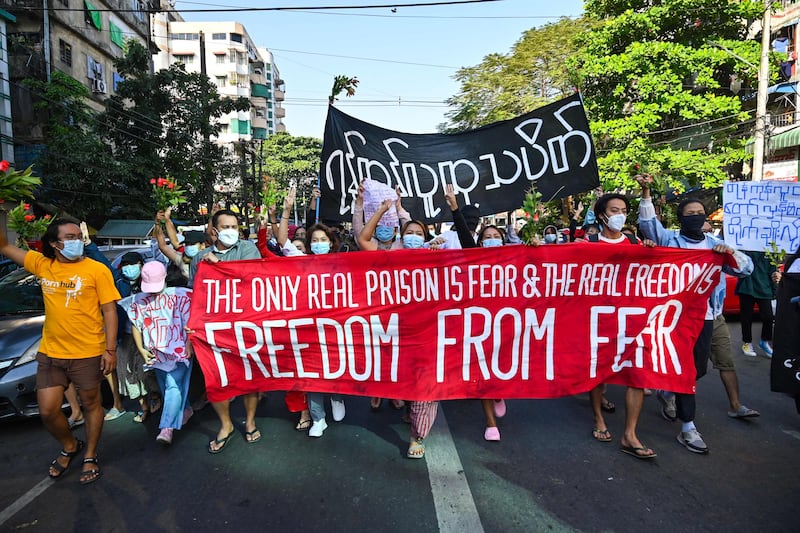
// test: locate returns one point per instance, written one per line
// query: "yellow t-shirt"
(73, 294)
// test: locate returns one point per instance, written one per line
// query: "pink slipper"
(492, 434)
(499, 408)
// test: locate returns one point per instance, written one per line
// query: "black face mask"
(692, 226)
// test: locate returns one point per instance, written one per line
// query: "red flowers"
(4, 165)
(166, 193)
(30, 218)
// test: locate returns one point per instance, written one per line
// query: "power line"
(285, 8)
(366, 59)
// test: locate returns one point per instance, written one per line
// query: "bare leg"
(93, 411)
(223, 411)
(74, 405)
(50, 400)
(113, 382)
(596, 397)
(250, 405)
(488, 411)
(731, 382)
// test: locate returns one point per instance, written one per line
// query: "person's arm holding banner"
(364, 237)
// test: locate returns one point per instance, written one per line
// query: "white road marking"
(25, 499)
(452, 498)
(795, 434)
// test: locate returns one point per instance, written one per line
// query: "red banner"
(506, 322)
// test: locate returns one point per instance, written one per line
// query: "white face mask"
(615, 222)
(228, 237)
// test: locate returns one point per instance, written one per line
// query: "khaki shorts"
(721, 347)
(84, 373)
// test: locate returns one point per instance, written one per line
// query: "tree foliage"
(289, 159)
(656, 88)
(503, 86)
(79, 173)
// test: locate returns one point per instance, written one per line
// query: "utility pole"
(207, 179)
(761, 101)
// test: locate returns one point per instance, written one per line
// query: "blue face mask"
(73, 249)
(318, 248)
(191, 250)
(490, 243)
(132, 272)
(413, 241)
(550, 238)
(384, 233)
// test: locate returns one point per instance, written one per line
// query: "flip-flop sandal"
(416, 450)
(141, 416)
(608, 406)
(69, 455)
(76, 423)
(303, 425)
(91, 475)
(397, 404)
(222, 443)
(636, 452)
(601, 436)
(252, 436)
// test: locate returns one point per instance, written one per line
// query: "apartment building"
(6, 126)
(228, 56)
(80, 38)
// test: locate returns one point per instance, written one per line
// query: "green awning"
(93, 15)
(125, 229)
(785, 139)
(116, 35)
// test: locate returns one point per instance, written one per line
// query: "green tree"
(656, 88)
(79, 173)
(162, 124)
(288, 159)
(503, 86)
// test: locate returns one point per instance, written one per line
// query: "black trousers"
(746, 303)
(685, 403)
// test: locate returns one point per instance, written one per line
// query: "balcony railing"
(784, 119)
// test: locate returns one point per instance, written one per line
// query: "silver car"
(21, 320)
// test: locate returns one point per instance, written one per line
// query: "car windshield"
(20, 293)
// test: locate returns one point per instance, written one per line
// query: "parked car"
(6, 266)
(21, 320)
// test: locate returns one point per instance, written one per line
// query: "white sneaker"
(337, 407)
(693, 441)
(747, 349)
(764, 345)
(318, 428)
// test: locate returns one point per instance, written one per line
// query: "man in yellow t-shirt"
(79, 338)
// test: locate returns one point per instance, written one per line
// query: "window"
(139, 8)
(221, 81)
(64, 2)
(220, 59)
(232, 56)
(260, 112)
(65, 52)
(92, 16)
(186, 59)
(184, 36)
(219, 37)
(223, 128)
(236, 37)
(242, 58)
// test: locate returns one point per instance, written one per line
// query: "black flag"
(493, 166)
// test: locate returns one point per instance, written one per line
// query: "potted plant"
(27, 226)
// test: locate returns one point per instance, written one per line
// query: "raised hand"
(450, 197)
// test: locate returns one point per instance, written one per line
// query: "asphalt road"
(547, 474)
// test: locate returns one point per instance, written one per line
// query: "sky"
(404, 58)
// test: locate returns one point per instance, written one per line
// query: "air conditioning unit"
(99, 86)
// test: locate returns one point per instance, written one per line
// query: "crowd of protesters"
(113, 333)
